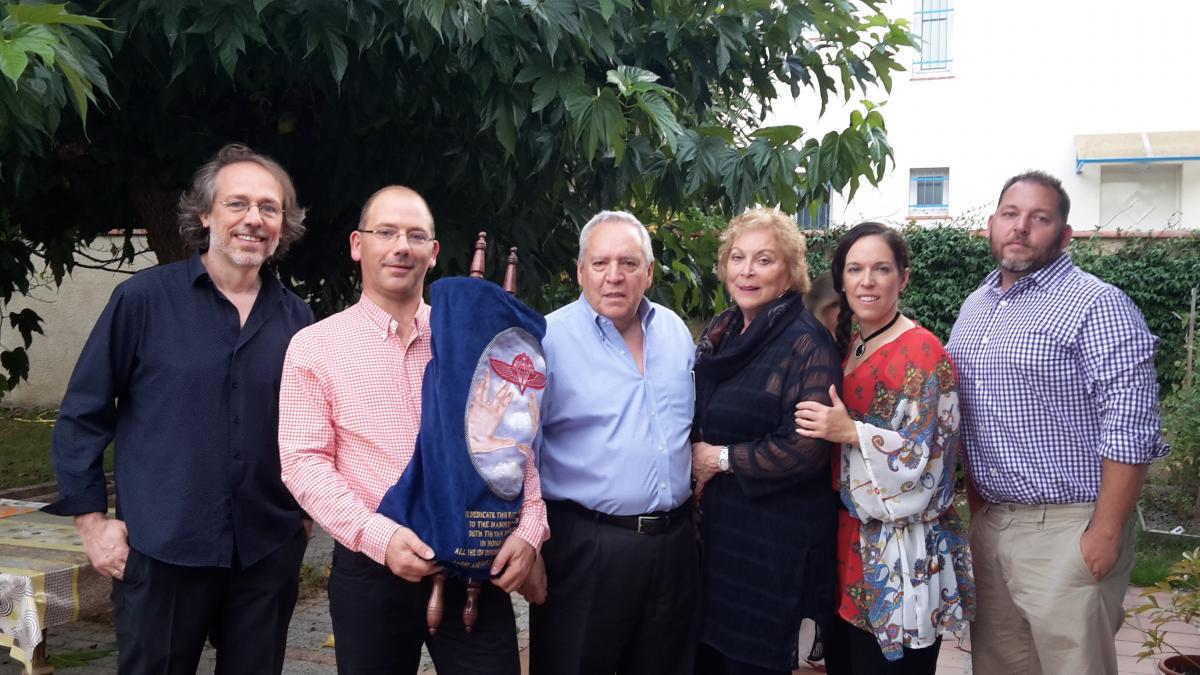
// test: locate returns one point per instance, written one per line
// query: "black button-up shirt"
(192, 399)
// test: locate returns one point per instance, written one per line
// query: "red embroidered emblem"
(520, 372)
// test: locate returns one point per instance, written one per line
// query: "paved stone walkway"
(307, 655)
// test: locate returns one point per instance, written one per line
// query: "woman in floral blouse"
(904, 569)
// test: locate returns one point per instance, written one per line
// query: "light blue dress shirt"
(614, 439)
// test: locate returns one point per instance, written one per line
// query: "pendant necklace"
(862, 345)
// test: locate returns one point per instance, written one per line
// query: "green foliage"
(521, 118)
(33, 90)
(1181, 427)
(1182, 588)
(947, 264)
(1155, 554)
(686, 253)
(1158, 274)
(50, 60)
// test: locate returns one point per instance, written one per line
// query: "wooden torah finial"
(510, 272)
(437, 604)
(477, 260)
(471, 607)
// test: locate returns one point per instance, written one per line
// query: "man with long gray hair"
(182, 371)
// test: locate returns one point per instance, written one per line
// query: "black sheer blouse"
(768, 530)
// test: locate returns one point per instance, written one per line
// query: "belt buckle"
(651, 524)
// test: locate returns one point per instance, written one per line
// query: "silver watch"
(723, 459)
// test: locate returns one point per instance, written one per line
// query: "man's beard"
(1040, 259)
(223, 243)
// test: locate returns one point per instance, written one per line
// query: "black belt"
(659, 522)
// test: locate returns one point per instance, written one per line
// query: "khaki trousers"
(1039, 609)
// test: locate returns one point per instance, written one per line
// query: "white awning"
(1136, 147)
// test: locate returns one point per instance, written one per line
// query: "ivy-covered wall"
(947, 264)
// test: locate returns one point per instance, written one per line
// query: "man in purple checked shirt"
(1060, 420)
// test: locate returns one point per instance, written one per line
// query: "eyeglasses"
(389, 235)
(268, 210)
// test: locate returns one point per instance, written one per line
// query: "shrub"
(1182, 587)
(1181, 427)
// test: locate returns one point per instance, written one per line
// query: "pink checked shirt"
(349, 412)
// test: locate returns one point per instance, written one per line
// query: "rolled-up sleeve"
(533, 527)
(1117, 354)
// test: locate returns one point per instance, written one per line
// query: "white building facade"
(1104, 95)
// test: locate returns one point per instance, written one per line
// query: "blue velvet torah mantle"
(461, 493)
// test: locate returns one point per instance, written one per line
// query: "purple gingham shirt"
(1055, 375)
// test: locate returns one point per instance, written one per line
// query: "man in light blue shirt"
(620, 580)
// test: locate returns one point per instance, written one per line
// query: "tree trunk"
(156, 212)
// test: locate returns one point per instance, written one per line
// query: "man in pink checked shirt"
(350, 410)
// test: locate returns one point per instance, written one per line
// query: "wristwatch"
(723, 460)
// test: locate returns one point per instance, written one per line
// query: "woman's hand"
(817, 420)
(704, 463)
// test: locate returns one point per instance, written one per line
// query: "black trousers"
(709, 661)
(164, 613)
(853, 651)
(617, 601)
(379, 623)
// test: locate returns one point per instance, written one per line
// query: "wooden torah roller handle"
(471, 608)
(437, 604)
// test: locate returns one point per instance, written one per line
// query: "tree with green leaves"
(50, 61)
(519, 117)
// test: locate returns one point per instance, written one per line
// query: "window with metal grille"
(805, 220)
(929, 192)
(933, 22)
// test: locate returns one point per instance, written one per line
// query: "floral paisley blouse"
(904, 569)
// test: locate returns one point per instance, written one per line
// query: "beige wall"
(68, 313)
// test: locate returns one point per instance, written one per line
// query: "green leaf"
(12, 61)
(545, 90)
(433, 11)
(14, 51)
(51, 15)
(81, 89)
(506, 129)
(607, 8)
(533, 71)
(598, 121)
(230, 43)
(724, 133)
(784, 134)
(634, 79)
(660, 114)
(339, 57)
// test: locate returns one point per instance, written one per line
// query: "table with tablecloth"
(45, 580)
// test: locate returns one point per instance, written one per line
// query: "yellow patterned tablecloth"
(45, 581)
